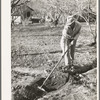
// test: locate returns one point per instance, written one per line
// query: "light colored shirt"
(68, 31)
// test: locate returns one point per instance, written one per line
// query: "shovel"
(40, 87)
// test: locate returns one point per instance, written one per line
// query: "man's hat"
(70, 20)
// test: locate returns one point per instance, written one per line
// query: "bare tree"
(84, 11)
(83, 8)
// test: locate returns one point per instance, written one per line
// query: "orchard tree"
(85, 11)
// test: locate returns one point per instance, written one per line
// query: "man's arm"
(76, 30)
(66, 32)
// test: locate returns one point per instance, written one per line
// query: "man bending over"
(70, 34)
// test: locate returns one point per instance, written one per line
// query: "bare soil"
(35, 49)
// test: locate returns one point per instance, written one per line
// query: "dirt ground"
(35, 49)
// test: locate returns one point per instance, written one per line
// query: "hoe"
(41, 87)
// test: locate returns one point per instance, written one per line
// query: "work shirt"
(72, 31)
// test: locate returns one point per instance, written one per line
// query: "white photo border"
(6, 49)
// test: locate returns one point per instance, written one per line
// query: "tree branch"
(14, 4)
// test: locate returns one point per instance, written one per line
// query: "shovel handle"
(56, 66)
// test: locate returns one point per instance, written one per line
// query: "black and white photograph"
(54, 49)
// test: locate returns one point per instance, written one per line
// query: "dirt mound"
(58, 86)
(84, 91)
(27, 87)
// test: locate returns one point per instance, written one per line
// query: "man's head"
(70, 20)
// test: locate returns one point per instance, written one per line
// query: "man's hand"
(71, 39)
(72, 42)
(68, 36)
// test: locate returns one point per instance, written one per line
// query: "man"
(70, 34)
